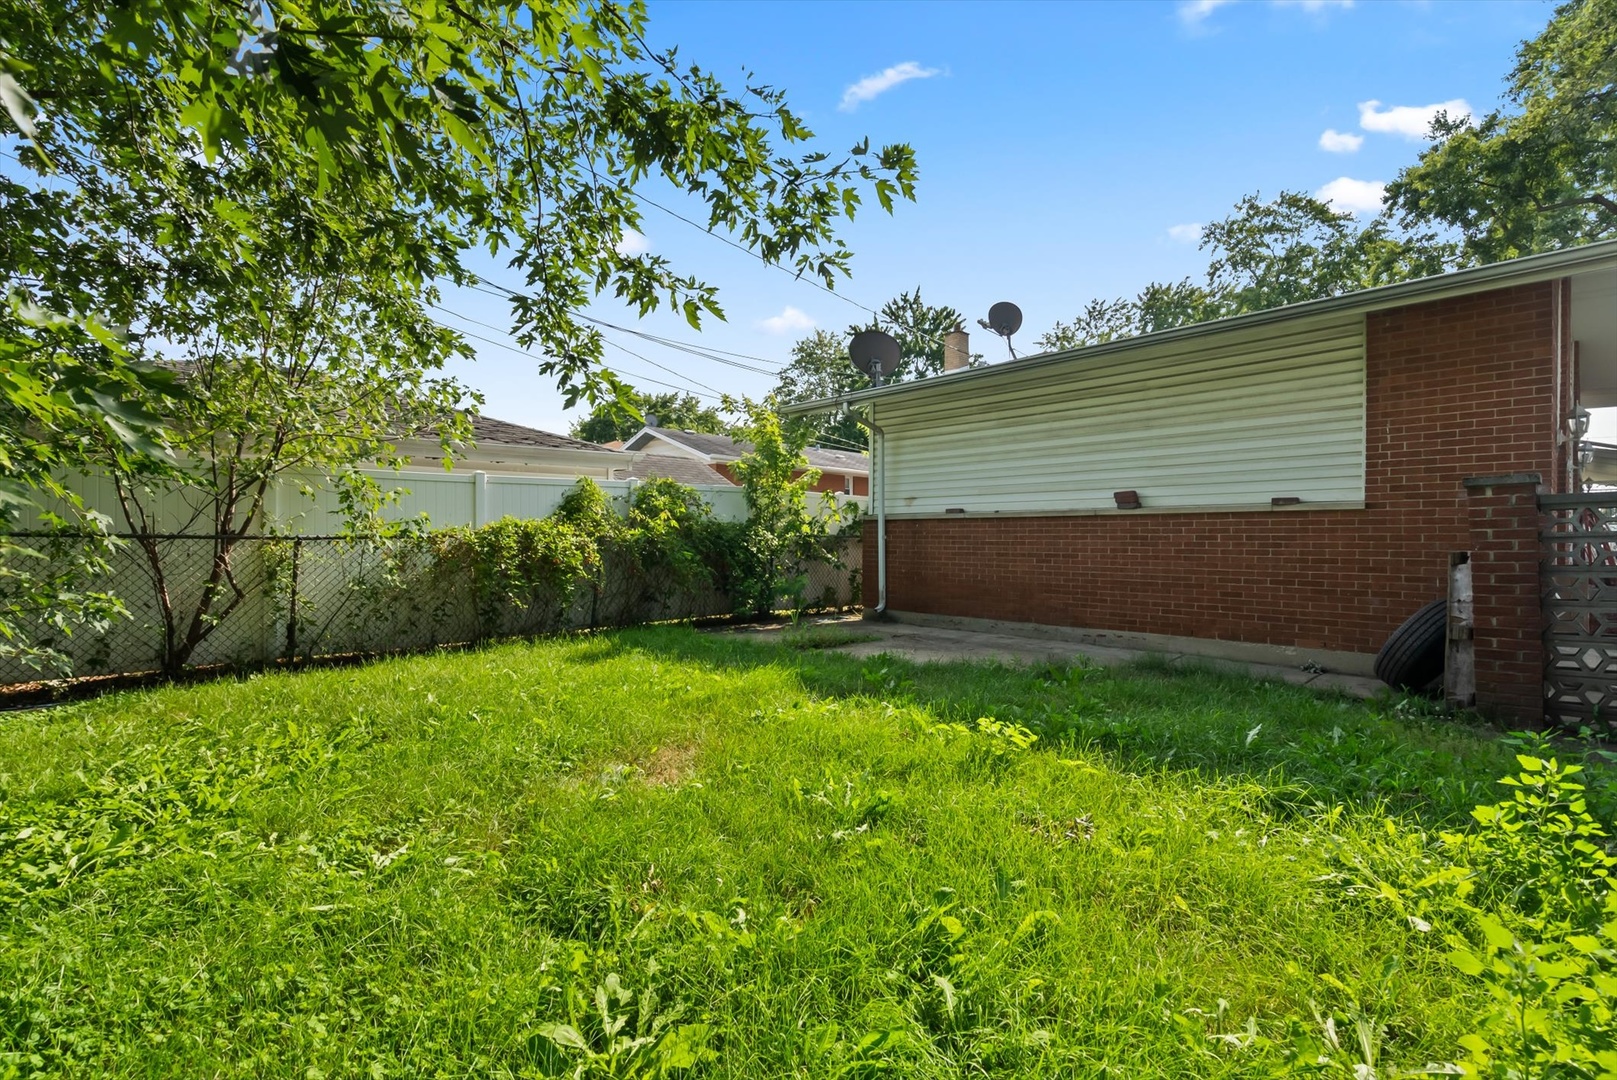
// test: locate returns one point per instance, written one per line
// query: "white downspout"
(879, 496)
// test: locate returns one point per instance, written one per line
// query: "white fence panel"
(302, 506)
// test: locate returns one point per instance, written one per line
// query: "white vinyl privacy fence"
(475, 499)
(443, 499)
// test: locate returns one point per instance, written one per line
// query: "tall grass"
(663, 853)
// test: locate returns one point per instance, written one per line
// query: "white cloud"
(1410, 121)
(1351, 196)
(1340, 142)
(632, 243)
(871, 86)
(1188, 233)
(788, 320)
(1194, 11)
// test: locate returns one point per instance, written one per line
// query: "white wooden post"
(479, 499)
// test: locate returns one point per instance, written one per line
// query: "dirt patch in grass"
(669, 765)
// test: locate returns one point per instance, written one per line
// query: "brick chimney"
(956, 349)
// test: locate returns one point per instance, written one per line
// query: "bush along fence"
(202, 601)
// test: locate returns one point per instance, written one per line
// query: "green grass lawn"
(722, 857)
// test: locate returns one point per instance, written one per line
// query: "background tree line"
(1537, 175)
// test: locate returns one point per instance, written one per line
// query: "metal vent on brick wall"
(1579, 579)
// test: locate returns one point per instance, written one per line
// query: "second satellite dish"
(1004, 319)
(875, 353)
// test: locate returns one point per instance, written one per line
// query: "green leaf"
(1495, 933)
(684, 1047)
(563, 1035)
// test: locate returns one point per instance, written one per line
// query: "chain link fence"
(200, 602)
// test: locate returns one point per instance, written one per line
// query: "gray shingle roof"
(675, 467)
(486, 429)
(718, 446)
(843, 461)
(724, 448)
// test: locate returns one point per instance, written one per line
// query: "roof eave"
(517, 452)
(1523, 271)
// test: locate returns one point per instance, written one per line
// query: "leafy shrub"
(666, 556)
(1541, 929)
(1526, 905)
(783, 534)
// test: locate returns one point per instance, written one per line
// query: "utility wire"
(533, 356)
(671, 343)
(604, 338)
(786, 269)
(747, 250)
(678, 346)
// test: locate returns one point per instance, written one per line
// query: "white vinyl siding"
(1224, 420)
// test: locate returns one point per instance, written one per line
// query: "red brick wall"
(828, 481)
(1454, 388)
(838, 482)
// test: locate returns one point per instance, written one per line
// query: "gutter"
(1522, 271)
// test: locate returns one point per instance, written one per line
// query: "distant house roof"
(841, 461)
(686, 470)
(486, 429)
(709, 449)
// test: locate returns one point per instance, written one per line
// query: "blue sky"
(1064, 151)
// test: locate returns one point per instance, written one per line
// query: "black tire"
(1414, 655)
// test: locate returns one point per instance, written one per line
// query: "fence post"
(292, 604)
(479, 499)
(1507, 606)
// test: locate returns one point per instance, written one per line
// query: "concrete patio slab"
(937, 644)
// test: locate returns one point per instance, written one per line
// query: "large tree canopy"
(519, 127)
(1539, 175)
(1266, 253)
(265, 198)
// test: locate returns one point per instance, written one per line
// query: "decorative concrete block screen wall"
(1467, 387)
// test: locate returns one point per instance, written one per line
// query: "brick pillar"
(1509, 622)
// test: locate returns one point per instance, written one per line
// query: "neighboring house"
(510, 470)
(841, 471)
(1303, 476)
(678, 467)
(506, 448)
(518, 471)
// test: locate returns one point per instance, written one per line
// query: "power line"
(720, 356)
(609, 341)
(747, 250)
(669, 343)
(532, 356)
(797, 276)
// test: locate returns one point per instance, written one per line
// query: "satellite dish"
(875, 353)
(1004, 319)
